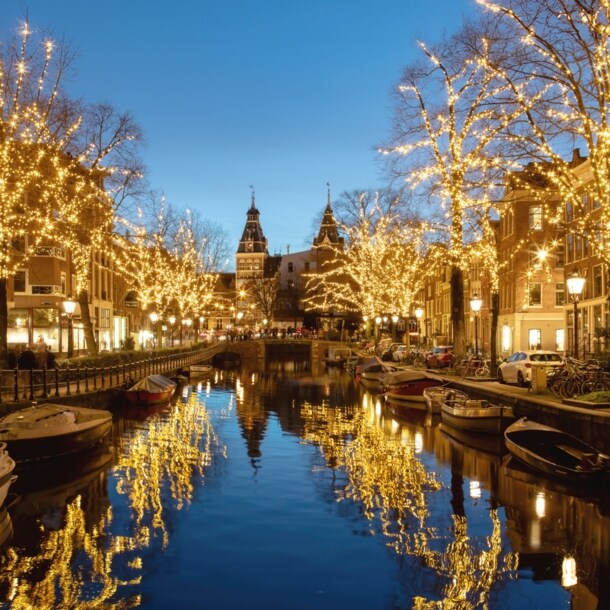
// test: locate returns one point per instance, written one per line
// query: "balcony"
(53, 251)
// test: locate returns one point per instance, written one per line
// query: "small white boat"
(200, 370)
(7, 465)
(476, 415)
(338, 356)
(435, 396)
(49, 430)
(371, 373)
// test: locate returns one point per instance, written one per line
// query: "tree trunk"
(3, 322)
(493, 337)
(83, 301)
(457, 311)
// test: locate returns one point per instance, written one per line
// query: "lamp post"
(475, 306)
(172, 321)
(419, 312)
(394, 322)
(69, 307)
(201, 321)
(576, 283)
(187, 322)
(377, 330)
(239, 315)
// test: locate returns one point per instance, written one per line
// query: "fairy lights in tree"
(564, 51)
(380, 269)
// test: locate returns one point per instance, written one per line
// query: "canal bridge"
(261, 349)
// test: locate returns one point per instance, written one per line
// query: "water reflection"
(74, 547)
(463, 525)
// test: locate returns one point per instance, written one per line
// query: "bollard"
(56, 381)
(78, 379)
(16, 394)
(44, 382)
(68, 393)
(31, 384)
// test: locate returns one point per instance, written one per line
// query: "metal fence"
(31, 384)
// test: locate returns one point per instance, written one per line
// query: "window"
(290, 267)
(19, 282)
(63, 282)
(560, 294)
(104, 317)
(559, 340)
(569, 214)
(598, 288)
(570, 244)
(535, 294)
(306, 266)
(534, 338)
(535, 217)
(560, 254)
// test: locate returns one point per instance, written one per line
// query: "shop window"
(534, 338)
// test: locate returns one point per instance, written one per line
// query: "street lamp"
(419, 312)
(394, 321)
(576, 283)
(69, 307)
(187, 323)
(475, 306)
(377, 329)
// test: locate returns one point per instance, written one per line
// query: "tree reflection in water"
(93, 558)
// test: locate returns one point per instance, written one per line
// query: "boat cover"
(153, 384)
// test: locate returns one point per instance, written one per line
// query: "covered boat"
(475, 415)
(7, 465)
(435, 396)
(371, 373)
(151, 390)
(554, 452)
(50, 430)
(407, 384)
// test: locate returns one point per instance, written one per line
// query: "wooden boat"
(435, 396)
(200, 370)
(50, 430)
(554, 452)
(7, 466)
(407, 384)
(475, 415)
(151, 390)
(337, 356)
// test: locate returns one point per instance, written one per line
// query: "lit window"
(535, 217)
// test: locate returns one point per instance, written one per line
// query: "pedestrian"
(41, 353)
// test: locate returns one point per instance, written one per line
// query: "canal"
(296, 489)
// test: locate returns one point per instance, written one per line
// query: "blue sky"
(284, 95)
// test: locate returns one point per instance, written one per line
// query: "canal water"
(297, 489)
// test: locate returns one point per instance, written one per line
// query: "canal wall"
(590, 424)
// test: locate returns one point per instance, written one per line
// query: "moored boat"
(200, 370)
(554, 452)
(7, 466)
(337, 356)
(50, 430)
(151, 390)
(475, 415)
(407, 384)
(435, 396)
(371, 373)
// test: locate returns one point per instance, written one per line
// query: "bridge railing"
(30, 384)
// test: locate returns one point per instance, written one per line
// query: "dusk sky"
(284, 95)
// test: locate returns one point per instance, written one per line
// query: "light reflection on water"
(287, 489)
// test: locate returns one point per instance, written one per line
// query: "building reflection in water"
(72, 548)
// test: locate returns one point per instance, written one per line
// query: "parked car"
(517, 368)
(388, 353)
(400, 353)
(440, 357)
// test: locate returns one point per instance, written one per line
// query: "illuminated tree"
(36, 120)
(379, 271)
(448, 147)
(563, 50)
